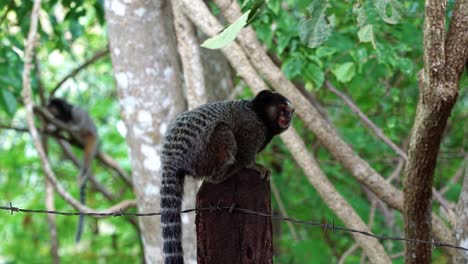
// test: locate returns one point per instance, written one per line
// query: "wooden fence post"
(235, 237)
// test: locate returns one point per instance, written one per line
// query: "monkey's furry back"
(188, 144)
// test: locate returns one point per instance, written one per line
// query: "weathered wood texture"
(236, 237)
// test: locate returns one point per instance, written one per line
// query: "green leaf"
(314, 74)
(344, 72)
(227, 35)
(8, 101)
(275, 6)
(360, 14)
(318, 28)
(292, 67)
(389, 10)
(325, 51)
(76, 29)
(366, 34)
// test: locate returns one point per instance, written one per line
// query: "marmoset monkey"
(84, 129)
(214, 141)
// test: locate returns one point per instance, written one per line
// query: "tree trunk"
(146, 68)
(444, 58)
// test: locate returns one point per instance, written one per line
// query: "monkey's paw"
(263, 171)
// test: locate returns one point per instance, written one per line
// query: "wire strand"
(231, 209)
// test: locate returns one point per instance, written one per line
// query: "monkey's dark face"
(274, 109)
(60, 109)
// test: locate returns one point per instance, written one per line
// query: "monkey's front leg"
(262, 170)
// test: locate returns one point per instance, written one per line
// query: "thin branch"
(112, 164)
(457, 176)
(445, 205)
(397, 171)
(282, 209)
(460, 228)
(73, 73)
(26, 94)
(236, 91)
(40, 85)
(397, 255)
(370, 224)
(97, 185)
(348, 253)
(364, 119)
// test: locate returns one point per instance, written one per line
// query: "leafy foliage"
(316, 29)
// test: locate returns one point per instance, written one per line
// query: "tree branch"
(348, 253)
(97, 185)
(282, 209)
(363, 117)
(190, 55)
(456, 51)
(73, 73)
(457, 176)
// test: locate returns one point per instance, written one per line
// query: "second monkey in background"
(83, 127)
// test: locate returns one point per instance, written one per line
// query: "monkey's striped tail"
(171, 225)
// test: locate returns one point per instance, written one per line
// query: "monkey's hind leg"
(218, 161)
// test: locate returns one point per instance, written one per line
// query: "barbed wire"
(233, 208)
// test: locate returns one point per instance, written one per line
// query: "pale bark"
(218, 75)
(190, 56)
(144, 56)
